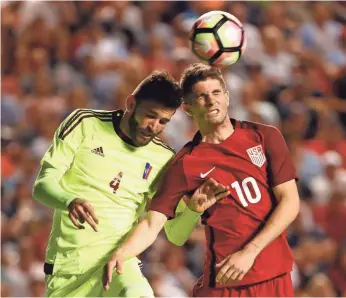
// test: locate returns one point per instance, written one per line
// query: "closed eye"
(164, 121)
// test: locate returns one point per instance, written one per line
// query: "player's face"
(147, 120)
(208, 102)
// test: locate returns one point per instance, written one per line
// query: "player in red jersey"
(248, 254)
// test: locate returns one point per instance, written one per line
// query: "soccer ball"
(217, 38)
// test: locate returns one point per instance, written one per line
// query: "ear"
(130, 103)
(187, 109)
(227, 98)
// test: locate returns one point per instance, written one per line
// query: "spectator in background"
(323, 186)
(154, 27)
(252, 104)
(176, 275)
(339, 91)
(326, 141)
(338, 271)
(321, 34)
(308, 163)
(276, 62)
(108, 53)
(181, 128)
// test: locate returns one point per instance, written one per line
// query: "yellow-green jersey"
(91, 159)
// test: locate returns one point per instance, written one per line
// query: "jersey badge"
(147, 171)
(257, 155)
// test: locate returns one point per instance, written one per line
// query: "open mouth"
(213, 112)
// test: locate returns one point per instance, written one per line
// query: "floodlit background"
(59, 56)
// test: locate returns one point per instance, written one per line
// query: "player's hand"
(115, 262)
(207, 195)
(235, 266)
(80, 210)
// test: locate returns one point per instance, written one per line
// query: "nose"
(154, 125)
(210, 100)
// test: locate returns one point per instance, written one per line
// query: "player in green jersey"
(98, 175)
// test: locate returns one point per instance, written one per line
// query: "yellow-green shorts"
(131, 283)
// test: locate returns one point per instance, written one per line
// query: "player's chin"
(143, 140)
(213, 119)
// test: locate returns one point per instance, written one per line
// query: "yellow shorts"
(131, 283)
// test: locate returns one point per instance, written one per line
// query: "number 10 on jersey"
(244, 188)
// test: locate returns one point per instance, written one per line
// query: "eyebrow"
(204, 94)
(156, 114)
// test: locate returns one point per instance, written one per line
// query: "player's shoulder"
(251, 125)
(265, 129)
(183, 152)
(160, 146)
(90, 113)
(80, 117)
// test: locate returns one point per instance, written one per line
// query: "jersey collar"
(197, 139)
(116, 118)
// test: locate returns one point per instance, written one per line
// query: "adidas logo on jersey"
(98, 151)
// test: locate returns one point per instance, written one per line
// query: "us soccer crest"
(257, 155)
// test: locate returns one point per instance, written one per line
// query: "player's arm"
(147, 230)
(48, 191)
(238, 264)
(56, 161)
(142, 236)
(181, 226)
(162, 208)
(183, 216)
(187, 215)
(284, 214)
(281, 177)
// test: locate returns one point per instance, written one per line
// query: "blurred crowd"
(59, 56)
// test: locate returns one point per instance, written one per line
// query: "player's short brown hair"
(160, 87)
(197, 72)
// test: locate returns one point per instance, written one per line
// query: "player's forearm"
(143, 235)
(178, 230)
(284, 214)
(48, 191)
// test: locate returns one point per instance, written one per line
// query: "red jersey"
(252, 160)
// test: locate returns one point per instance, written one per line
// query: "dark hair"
(160, 87)
(197, 72)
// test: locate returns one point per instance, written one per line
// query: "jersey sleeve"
(280, 165)
(67, 139)
(171, 190)
(178, 230)
(56, 161)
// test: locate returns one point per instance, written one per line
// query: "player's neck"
(216, 134)
(124, 124)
